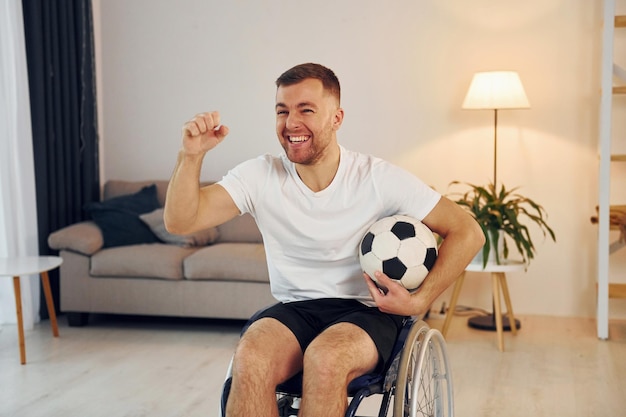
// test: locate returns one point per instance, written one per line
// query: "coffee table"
(28, 265)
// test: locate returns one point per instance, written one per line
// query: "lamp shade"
(496, 90)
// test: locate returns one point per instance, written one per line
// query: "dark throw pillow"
(118, 218)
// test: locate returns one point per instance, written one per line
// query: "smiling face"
(307, 119)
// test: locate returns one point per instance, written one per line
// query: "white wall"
(405, 67)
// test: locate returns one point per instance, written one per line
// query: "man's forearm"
(183, 193)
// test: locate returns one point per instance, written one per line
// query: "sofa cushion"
(118, 188)
(240, 229)
(155, 222)
(118, 218)
(228, 261)
(157, 260)
(84, 237)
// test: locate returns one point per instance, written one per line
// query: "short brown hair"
(301, 72)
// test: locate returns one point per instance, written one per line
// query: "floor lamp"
(495, 90)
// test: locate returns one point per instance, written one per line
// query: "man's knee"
(269, 350)
(342, 352)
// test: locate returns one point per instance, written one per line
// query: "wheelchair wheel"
(424, 382)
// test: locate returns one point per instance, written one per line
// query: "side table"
(498, 279)
(28, 265)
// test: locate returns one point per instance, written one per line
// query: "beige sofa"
(226, 278)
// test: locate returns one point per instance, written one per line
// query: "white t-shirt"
(311, 238)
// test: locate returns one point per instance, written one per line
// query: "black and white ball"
(402, 247)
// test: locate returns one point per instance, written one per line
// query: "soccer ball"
(402, 247)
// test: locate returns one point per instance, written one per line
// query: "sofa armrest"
(84, 237)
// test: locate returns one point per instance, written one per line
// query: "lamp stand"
(488, 322)
(495, 147)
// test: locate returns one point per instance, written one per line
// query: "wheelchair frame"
(417, 380)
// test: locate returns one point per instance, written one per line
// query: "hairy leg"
(341, 353)
(267, 354)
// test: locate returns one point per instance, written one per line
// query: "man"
(312, 205)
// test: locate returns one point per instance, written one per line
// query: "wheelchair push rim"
(424, 383)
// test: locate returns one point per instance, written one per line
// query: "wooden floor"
(132, 367)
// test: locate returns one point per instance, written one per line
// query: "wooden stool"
(498, 279)
(14, 267)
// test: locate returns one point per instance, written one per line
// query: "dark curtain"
(61, 73)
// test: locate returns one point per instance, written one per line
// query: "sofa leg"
(77, 319)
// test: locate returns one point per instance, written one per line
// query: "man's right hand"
(203, 133)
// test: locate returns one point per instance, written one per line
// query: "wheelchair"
(415, 382)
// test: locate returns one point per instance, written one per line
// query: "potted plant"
(502, 212)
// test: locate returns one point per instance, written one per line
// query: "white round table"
(28, 265)
(498, 279)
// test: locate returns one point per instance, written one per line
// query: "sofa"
(123, 261)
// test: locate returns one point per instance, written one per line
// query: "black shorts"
(307, 319)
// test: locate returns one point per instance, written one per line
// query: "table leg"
(45, 280)
(455, 296)
(498, 310)
(507, 301)
(20, 322)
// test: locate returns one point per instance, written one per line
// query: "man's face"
(307, 118)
